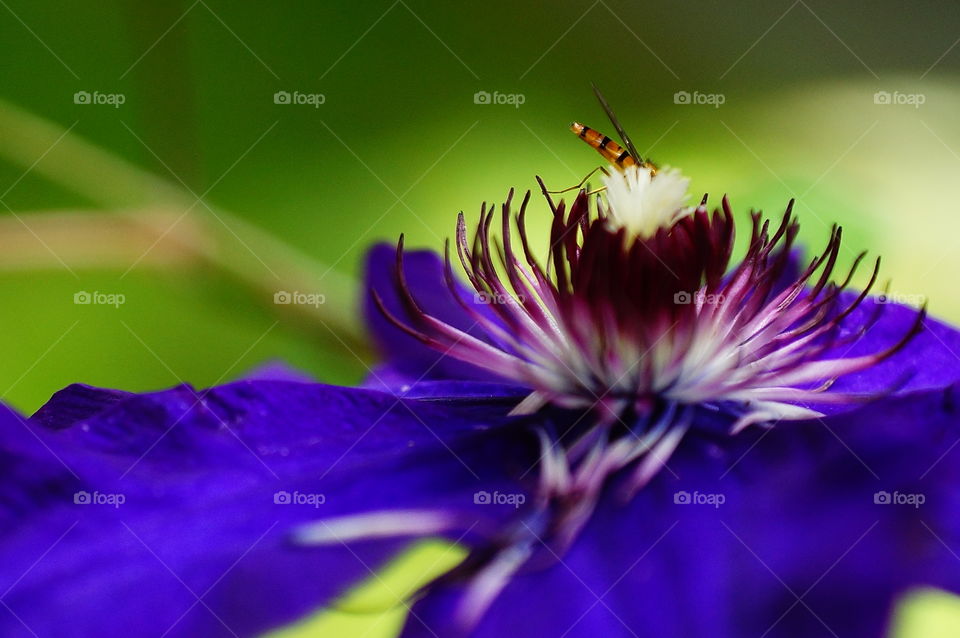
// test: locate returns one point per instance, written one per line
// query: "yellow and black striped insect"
(610, 150)
(614, 153)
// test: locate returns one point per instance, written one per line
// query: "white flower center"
(643, 202)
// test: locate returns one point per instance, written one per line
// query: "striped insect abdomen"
(614, 153)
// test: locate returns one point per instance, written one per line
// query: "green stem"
(253, 256)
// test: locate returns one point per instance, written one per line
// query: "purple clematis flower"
(644, 358)
(635, 438)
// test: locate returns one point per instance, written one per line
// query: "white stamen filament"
(383, 524)
(643, 202)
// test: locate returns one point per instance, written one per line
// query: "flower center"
(643, 200)
(638, 305)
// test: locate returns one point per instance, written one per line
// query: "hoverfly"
(614, 153)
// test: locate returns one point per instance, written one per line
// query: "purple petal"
(408, 359)
(199, 475)
(776, 533)
(930, 360)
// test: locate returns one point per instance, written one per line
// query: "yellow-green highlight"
(378, 607)
(927, 613)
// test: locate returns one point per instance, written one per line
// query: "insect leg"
(582, 181)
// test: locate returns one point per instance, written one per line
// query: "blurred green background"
(210, 188)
